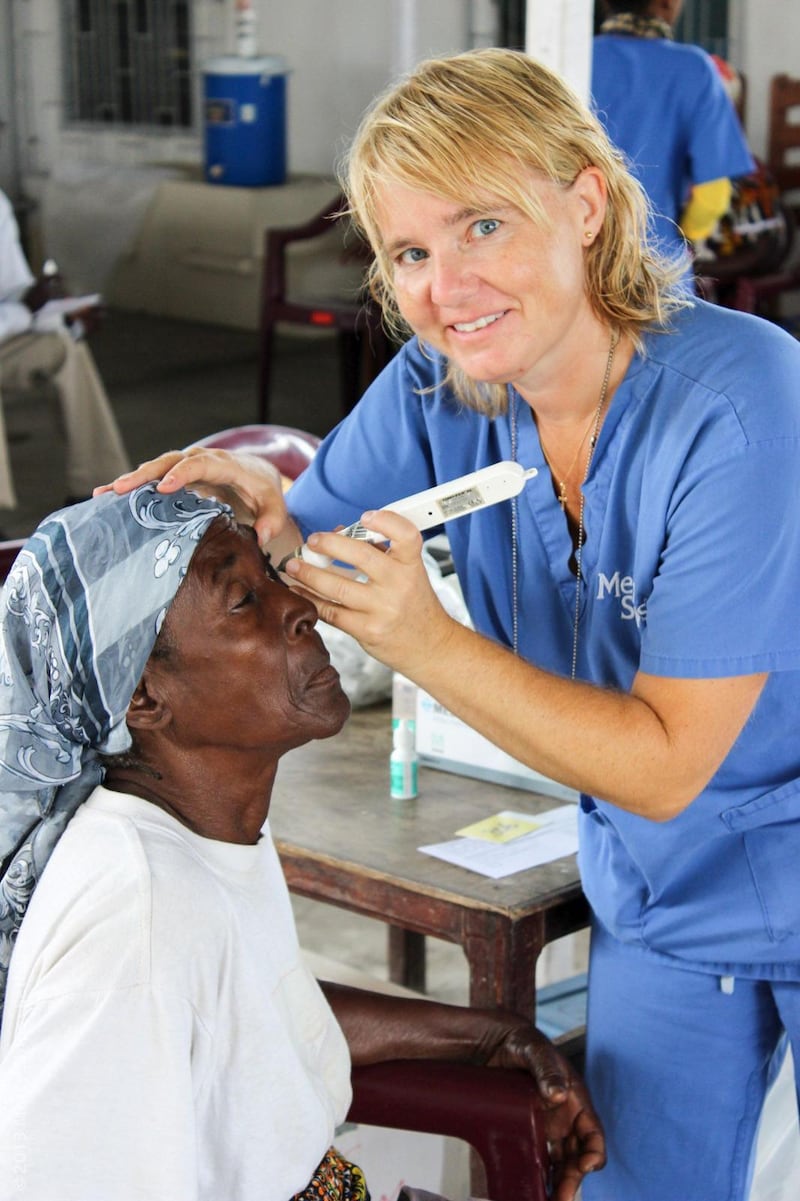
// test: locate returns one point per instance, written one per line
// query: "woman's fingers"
(365, 561)
(386, 602)
(153, 469)
(250, 484)
(405, 538)
(398, 535)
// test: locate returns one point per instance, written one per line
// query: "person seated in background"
(161, 1036)
(32, 352)
(666, 106)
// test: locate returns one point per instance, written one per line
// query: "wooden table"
(342, 840)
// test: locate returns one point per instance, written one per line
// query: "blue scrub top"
(664, 104)
(692, 560)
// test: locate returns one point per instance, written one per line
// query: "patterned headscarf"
(79, 615)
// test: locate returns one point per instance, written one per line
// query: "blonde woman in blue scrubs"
(635, 607)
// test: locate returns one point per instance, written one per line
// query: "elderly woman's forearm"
(378, 1027)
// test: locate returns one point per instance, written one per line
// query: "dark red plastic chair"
(8, 553)
(364, 346)
(784, 146)
(747, 282)
(784, 131)
(290, 449)
(497, 1112)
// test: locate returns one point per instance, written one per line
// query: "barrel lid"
(236, 64)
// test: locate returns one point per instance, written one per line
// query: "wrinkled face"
(501, 295)
(247, 668)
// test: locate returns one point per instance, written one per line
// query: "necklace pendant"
(562, 495)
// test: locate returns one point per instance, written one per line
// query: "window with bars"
(128, 63)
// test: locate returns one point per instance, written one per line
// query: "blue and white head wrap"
(79, 615)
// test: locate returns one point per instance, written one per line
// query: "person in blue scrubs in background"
(665, 105)
(635, 606)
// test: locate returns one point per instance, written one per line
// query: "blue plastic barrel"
(245, 120)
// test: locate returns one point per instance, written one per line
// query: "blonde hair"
(475, 125)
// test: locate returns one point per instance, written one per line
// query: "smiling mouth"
(469, 327)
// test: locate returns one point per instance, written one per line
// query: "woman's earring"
(588, 234)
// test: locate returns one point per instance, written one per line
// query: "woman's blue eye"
(486, 225)
(414, 254)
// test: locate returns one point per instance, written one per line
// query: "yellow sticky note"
(501, 827)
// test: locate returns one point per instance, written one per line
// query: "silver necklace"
(595, 428)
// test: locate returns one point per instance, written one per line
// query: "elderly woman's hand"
(249, 484)
(379, 1027)
(574, 1131)
(394, 614)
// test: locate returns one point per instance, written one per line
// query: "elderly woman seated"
(161, 1036)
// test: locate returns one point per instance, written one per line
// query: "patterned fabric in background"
(336, 1179)
(634, 25)
(79, 615)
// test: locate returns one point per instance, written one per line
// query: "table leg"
(406, 951)
(502, 962)
(502, 953)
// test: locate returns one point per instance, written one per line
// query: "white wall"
(559, 34)
(340, 52)
(44, 144)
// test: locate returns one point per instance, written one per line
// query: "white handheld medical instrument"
(445, 502)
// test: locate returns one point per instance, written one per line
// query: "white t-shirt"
(162, 1039)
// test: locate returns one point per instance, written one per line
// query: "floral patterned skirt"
(336, 1179)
